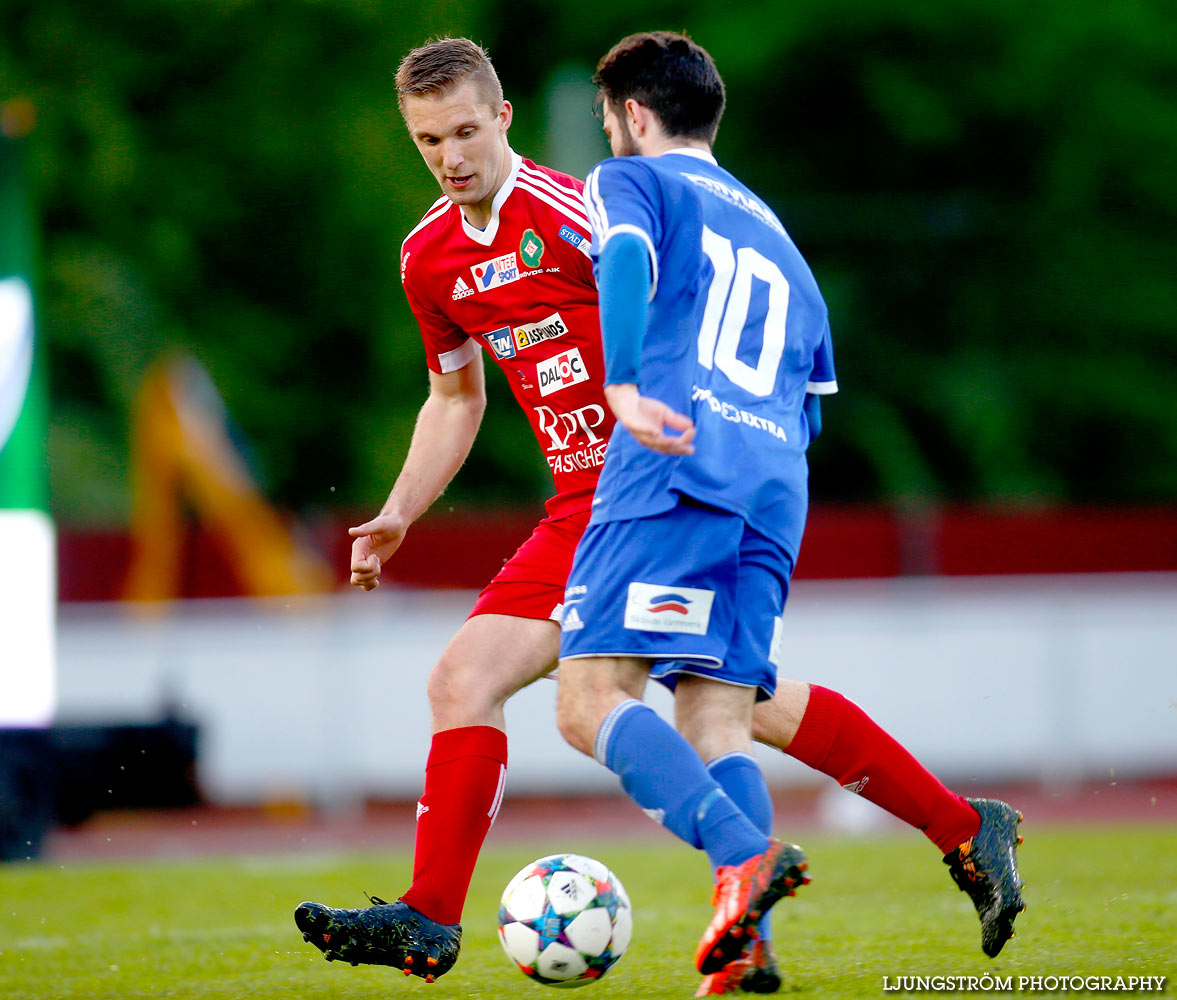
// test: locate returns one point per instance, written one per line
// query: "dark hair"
(446, 63)
(671, 75)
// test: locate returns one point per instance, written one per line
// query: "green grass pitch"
(1101, 901)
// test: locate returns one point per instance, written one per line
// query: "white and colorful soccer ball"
(565, 920)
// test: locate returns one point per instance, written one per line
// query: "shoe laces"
(968, 863)
(375, 900)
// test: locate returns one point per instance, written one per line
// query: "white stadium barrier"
(1054, 678)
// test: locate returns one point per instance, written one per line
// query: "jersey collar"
(487, 236)
(700, 154)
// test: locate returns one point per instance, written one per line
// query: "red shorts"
(531, 583)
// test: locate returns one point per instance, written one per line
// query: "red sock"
(838, 738)
(463, 790)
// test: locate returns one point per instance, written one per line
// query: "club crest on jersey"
(655, 607)
(497, 271)
(502, 342)
(582, 243)
(531, 248)
(461, 289)
(548, 328)
(560, 371)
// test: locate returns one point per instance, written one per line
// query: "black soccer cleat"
(763, 972)
(986, 867)
(382, 934)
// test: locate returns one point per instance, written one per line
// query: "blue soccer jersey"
(738, 333)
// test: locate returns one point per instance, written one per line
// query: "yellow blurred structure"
(182, 455)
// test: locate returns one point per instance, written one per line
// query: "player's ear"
(636, 116)
(504, 116)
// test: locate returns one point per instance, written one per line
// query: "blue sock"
(740, 776)
(661, 772)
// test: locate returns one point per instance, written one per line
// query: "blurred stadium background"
(205, 201)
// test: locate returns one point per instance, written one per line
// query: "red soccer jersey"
(522, 290)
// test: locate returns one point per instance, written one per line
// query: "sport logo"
(560, 371)
(501, 342)
(536, 333)
(669, 602)
(531, 248)
(461, 289)
(498, 271)
(571, 621)
(655, 607)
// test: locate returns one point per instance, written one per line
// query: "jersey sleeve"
(621, 197)
(447, 347)
(822, 380)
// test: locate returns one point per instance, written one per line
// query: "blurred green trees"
(985, 189)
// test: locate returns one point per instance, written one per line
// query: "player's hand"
(647, 420)
(375, 542)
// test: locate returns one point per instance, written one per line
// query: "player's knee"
(775, 722)
(454, 696)
(572, 720)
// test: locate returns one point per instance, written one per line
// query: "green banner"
(23, 405)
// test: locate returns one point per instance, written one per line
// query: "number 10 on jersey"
(725, 316)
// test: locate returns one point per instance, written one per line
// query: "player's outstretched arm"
(649, 419)
(446, 427)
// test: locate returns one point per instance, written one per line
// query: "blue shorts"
(694, 589)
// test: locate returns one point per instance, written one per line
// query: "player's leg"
(757, 970)
(491, 657)
(762, 589)
(830, 733)
(661, 589)
(509, 640)
(600, 713)
(723, 741)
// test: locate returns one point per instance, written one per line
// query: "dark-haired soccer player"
(499, 265)
(717, 345)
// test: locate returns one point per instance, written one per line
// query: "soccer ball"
(565, 920)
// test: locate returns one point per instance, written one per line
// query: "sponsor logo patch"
(497, 271)
(561, 370)
(461, 289)
(565, 430)
(655, 607)
(531, 248)
(536, 333)
(582, 243)
(501, 342)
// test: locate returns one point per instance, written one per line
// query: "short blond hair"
(439, 66)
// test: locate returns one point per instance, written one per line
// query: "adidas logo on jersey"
(572, 621)
(461, 289)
